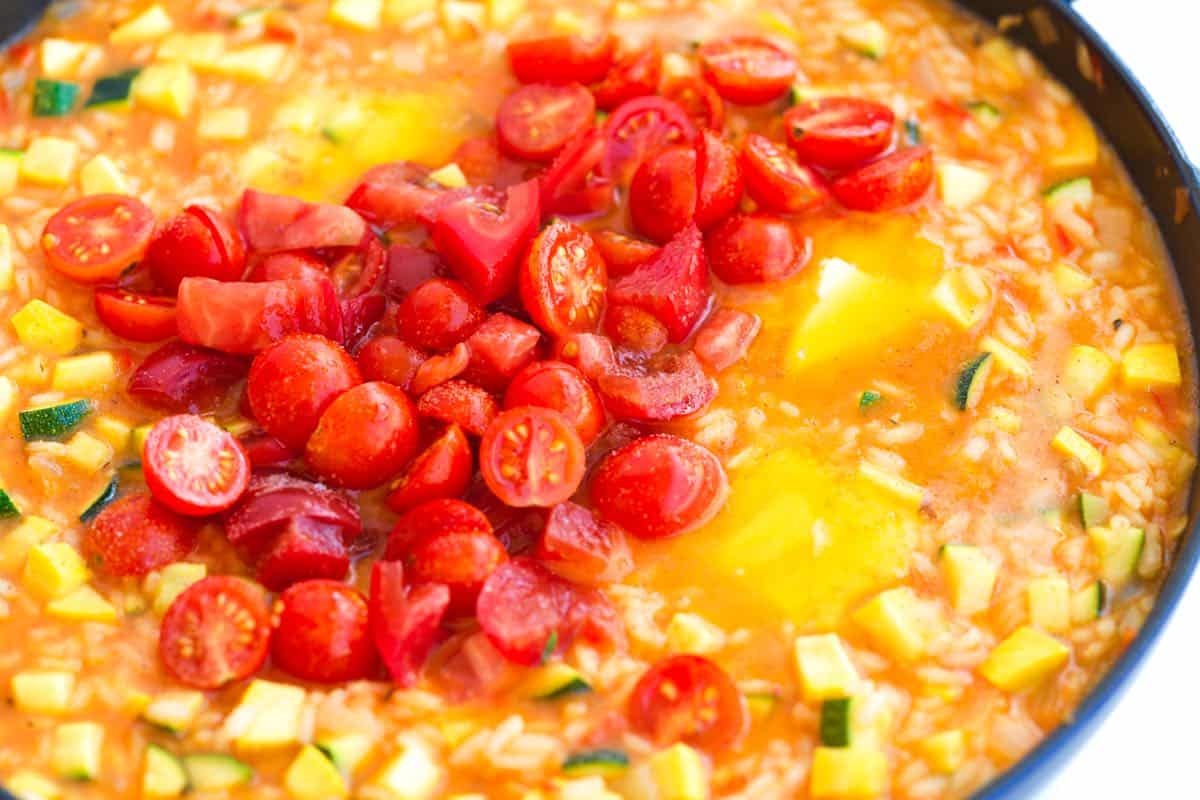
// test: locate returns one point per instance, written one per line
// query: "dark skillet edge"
(1158, 166)
(17, 18)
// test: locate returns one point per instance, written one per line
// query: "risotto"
(663, 400)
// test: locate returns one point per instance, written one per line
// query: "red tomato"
(437, 315)
(439, 514)
(584, 548)
(665, 388)
(438, 369)
(719, 179)
(272, 223)
(778, 182)
(289, 267)
(135, 535)
(394, 194)
(404, 621)
(359, 315)
(500, 347)
(196, 243)
(482, 162)
(698, 99)
(303, 551)
(364, 437)
(531, 456)
(217, 631)
(562, 388)
(752, 248)
(390, 359)
(587, 352)
(662, 195)
(689, 699)
(635, 75)
(322, 634)
(461, 403)
(443, 469)
(622, 254)
(194, 467)
(570, 184)
(747, 69)
(246, 317)
(630, 328)
(483, 248)
(673, 287)
(839, 132)
(564, 279)
(537, 121)
(265, 451)
(137, 317)
(891, 182)
(293, 381)
(95, 238)
(523, 609)
(407, 268)
(658, 486)
(725, 337)
(640, 128)
(359, 271)
(451, 543)
(179, 377)
(562, 59)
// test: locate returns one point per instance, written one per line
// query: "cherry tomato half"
(390, 359)
(746, 69)
(751, 248)
(778, 182)
(136, 534)
(640, 128)
(455, 549)
(564, 280)
(621, 253)
(719, 177)
(217, 631)
(891, 182)
(461, 403)
(689, 699)
(635, 75)
(537, 121)
(561, 59)
(662, 195)
(839, 132)
(364, 437)
(322, 634)
(95, 238)
(137, 317)
(437, 315)
(193, 466)
(561, 387)
(196, 243)
(698, 99)
(584, 548)
(531, 456)
(443, 469)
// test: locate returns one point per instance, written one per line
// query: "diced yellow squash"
(224, 124)
(88, 453)
(907, 492)
(1151, 433)
(359, 15)
(312, 776)
(1005, 419)
(42, 327)
(300, 115)
(825, 669)
(958, 295)
(502, 13)
(451, 176)
(1119, 551)
(10, 172)
(1089, 372)
(114, 431)
(30, 785)
(1151, 366)
(84, 604)
(50, 161)
(692, 633)
(175, 710)
(32, 372)
(570, 22)
(1071, 281)
(398, 12)
(101, 175)
(15, 545)
(1070, 443)
(75, 754)
(54, 569)
(6, 258)
(412, 774)
(1009, 359)
(43, 691)
(62, 59)
(869, 38)
(970, 577)
(349, 750)
(201, 50)
(256, 62)
(1024, 659)
(1081, 148)
(1000, 55)
(463, 19)
(848, 772)
(168, 88)
(172, 580)
(626, 10)
(679, 773)
(8, 398)
(897, 622)
(90, 373)
(961, 186)
(267, 717)
(1049, 598)
(262, 166)
(945, 751)
(151, 24)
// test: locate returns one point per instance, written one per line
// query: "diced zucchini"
(54, 569)
(43, 691)
(835, 721)
(163, 774)
(151, 24)
(167, 88)
(359, 15)
(503, 13)
(679, 773)
(267, 717)
(76, 751)
(869, 398)
(961, 186)
(912, 131)
(1049, 598)
(692, 633)
(555, 681)
(53, 98)
(98, 503)
(1093, 510)
(8, 508)
(347, 750)
(1119, 550)
(53, 422)
(968, 388)
(216, 772)
(945, 751)
(312, 776)
(902, 489)
(172, 580)
(15, 545)
(113, 91)
(896, 622)
(29, 785)
(174, 711)
(868, 38)
(1088, 603)
(1151, 366)
(50, 161)
(970, 576)
(1024, 659)
(224, 124)
(985, 114)
(605, 762)
(1007, 358)
(1070, 443)
(88, 453)
(101, 175)
(825, 668)
(413, 774)
(848, 772)
(1088, 373)
(959, 295)
(1073, 191)
(84, 604)
(42, 327)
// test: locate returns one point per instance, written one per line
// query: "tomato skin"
(523, 609)
(690, 699)
(698, 99)
(437, 315)
(778, 182)
(195, 243)
(719, 178)
(725, 337)
(265, 451)
(561, 59)
(181, 377)
(673, 287)
(589, 353)
(538, 120)
(640, 128)
(752, 248)
(658, 486)
(631, 328)
(500, 348)
(273, 223)
(364, 437)
(528, 438)
(438, 369)
(562, 388)
(662, 196)
(294, 380)
(461, 403)
(404, 620)
(564, 280)
(194, 467)
(442, 470)
(459, 556)
(322, 634)
(359, 316)
(891, 182)
(571, 185)
(244, 318)
(136, 534)
(288, 267)
(746, 69)
(581, 547)
(390, 359)
(635, 75)
(666, 388)
(839, 132)
(407, 268)
(137, 317)
(622, 254)
(95, 238)
(217, 631)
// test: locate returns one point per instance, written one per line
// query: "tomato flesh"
(584, 548)
(95, 238)
(246, 317)
(438, 314)
(562, 388)
(562, 59)
(136, 534)
(322, 634)
(364, 437)
(217, 631)
(698, 99)
(839, 132)
(631, 328)
(501, 347)
(725, 337)
(461, 403)
(663, 193)
(442, 470)
(778, 182)
(195, 243)
(635, 75)
(894, 181)
(564, 280)
(524, 608)
(390, 359)
(752, 248)
(404, 620)
(719, 178)
(673, 286)
(746, 69)
(531, 456)
(137, 317)
(181, 377)
(571, 185)
(273, 223)
(621, 253)
(193, 466)
(687, 698)
(449, 545)
(659, 390)
(640, 128)
(536, 121)
(438, 369)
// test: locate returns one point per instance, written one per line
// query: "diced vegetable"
(29, 785)
(848, 772)
(101, 175)
(1009, 359)
(8, 398)
(256, 62)
(450, 176)
(64, 58)
(91, 373)
(172, 580)
(968, 388)
(200, 50)
(1151, 366)
(54, 569)
(868, 399)
(175, 710)
(606, 763)
(42, 327)
(958, 295)
(1119, 550)
(503, 13)
(1049, 599)
(869, 38)
(835, 721)
(945, 751)
(347, 750)
(53, 422)
(361, 15)
(1070, 443)
(1077, 192)
(961, 186)
(151, 24)
(897, 622)
(413, 774)
(970, 576)
(224, 124)
(1080, 149)
(107, 494)
(54, 98)
(825, 668)
(903, 490)
(50, 161)
(43, 691)
(113, 91)
(84, 604)
(985, 114)
(114, 431)
(679, 773)
(1088, 603)
(312, 776)
(555, 681)
(216, 772)
(267, 717)
(1024, 659)
(1002, 57)
(1070, 281)
(912, 131)
(692, 633)
(8, 508)
(1093, 510)
(15, 545)
(1088, 373)
(1005, 419)
(163, 774)
(167, 88)
(75, 754)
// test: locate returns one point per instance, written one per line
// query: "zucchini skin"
(53, 422)
(54, 98)
(112, 89)
(105, 497)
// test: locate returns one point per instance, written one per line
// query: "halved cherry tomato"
(217, 631)
(364, 437)
(499, 349)
(531, 456)
(265, 451)
(407, 268)
(394, 193)
(361, 270)
(136, 534)
(688, 699)
(195, 243)
(725, 337)
(698, 99)
(751, 248)
(562, 59)
(564, 280)
(622, 254)
(589, 353)
(244, 318)
(461, 403)
(293, 381)
(390, 359)
(439, 514)
(443, 469)
(524, 609)
(437, 315)
(570, 184)
(659, 485)
(776, 180)
(438, 369)
(631, 328)
(537, 121)
(137, 317)
(719, 178)
(582, 547)
(640, 128)
(561, 387)
(635, 75)
(460, 552)
(839, 132)
(891, 182)
(746, 69)
(482, 162)
(180, 377)
(404, 620)
(272, 223)
(95, 238)
(193, 466)
(359, 316)
(673, 287)
(662, 389)
(662, 195)
(289, 267)
(322, 633)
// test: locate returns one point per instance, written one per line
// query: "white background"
(1148, 748)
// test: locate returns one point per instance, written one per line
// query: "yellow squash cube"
(6, 259)
(502, 13)
(224, 124)
(90, 373)
(50, 161)
(172, 580)
(1024, 659)
(970, 576)
(114, 431)
(412, 774)
(1049, 598)
(256, 62)
(1071, 281)
(84, 604)
(101, 175)
(312, 776)
(679, 773)
(359, 15)
(945, 751)
(88, 453)
(62, 59)
(10, 172)
(151, 24)
(897, 622)
(200, 50)
(1151, 366)
(8, 398)
(1012, 361)
(848, 772)
(30, 785)
(692, 633)
(168, 88)
(1088, 373)
(397, 12)
(54, 569)
(825, 668)
(1070, 443)
(42, 327)
(907, 492)
(15, 545)
(958, 295)
(43, 691)
(267, 717)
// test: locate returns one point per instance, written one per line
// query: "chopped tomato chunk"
(390, 359)
(500, 347)
(438, 369)
(246, 317)
(273, 223)
(633, 329)
(437, 315)
(461, 403)
(584, 548)
(698, 99)
(639, 129)
(322, 634)
(180, 377)
(621, 253)
(404, 620)
(571, 185)
(443, 469)
(725, 337)
(637, 74)
(673, 287)
(562, 59)
(524, 608)
(659, 390)
(662, 196)
(407, 268)
(778, 182)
